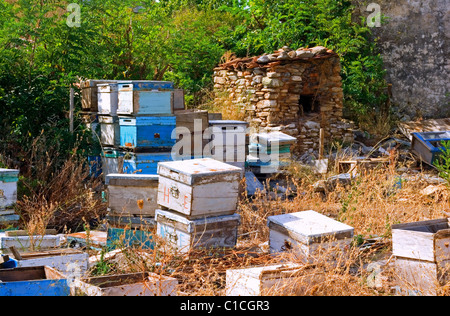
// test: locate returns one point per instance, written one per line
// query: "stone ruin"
(297, 92)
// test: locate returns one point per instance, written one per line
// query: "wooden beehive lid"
(228, 123)
(199, 171)
(309, 227)
(136, 180)
(275, 138)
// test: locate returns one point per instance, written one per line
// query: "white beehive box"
(229, 132)
(28, 243)
(132, 194)
(109, 130)
(209, 232)
(199, 187)
(307, 233)
(107, 98)
(424, 240)
(422, 254)
(132, 284)
(8, 187)
(68, 261)
(279, 279)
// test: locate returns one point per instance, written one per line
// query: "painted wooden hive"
(308, 235)
(199, 187)
(145, 97)
(201, 233)
(422, 254)
(144, 163)
(132, 194)
(147, 132)
(108, 98)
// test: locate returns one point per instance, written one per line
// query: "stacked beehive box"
(229, 141)
(269, 151)
(197, 202)
(8, 197)
(422, 255)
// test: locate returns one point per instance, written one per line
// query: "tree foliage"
(178, 40)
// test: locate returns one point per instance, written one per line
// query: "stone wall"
(296, 92)
(414, 42)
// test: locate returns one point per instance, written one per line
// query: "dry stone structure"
(297, 92)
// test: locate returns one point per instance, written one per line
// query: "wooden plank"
(22, 232)
(432, 125)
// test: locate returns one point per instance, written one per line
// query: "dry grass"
(370, 204)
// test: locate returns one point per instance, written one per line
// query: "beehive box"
(66, 260)
(33, 281)
(28, 243)
(131, 221)
(109, 130)
(272, 280)
(112, 161)
(131, 284)
(130, 194)
(145, 97)
(423, 240)
(130, 237)
(428, 145)
(208, 232)
(199, 187)
(307, 234)
(8, 187)
(422, 254)
(147, 132)
(89, 94)
(228, 132)
(144, 163)
(108, 98)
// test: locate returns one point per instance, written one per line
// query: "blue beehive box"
(429, 145)
(144, 163)
(33, 281)
(145, 97)
(147, 132)
(134, 238)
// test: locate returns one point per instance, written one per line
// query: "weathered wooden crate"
(428, 145)
(109, 130)
(147, 223)
(8, 187)
(130, 194)
(66, 260)
(178, 100)
(147, 132)
(132, 284)
(199, 187)
(228, 132)
(89, 94)
(272, 280)
(144, 163)
(145, 98)
(112, 161)
(28, 243)
(196, 121)
(423, 240)
(309, 235)
(108, 98)
(208, 232)
(33, 281)
(422, 254)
